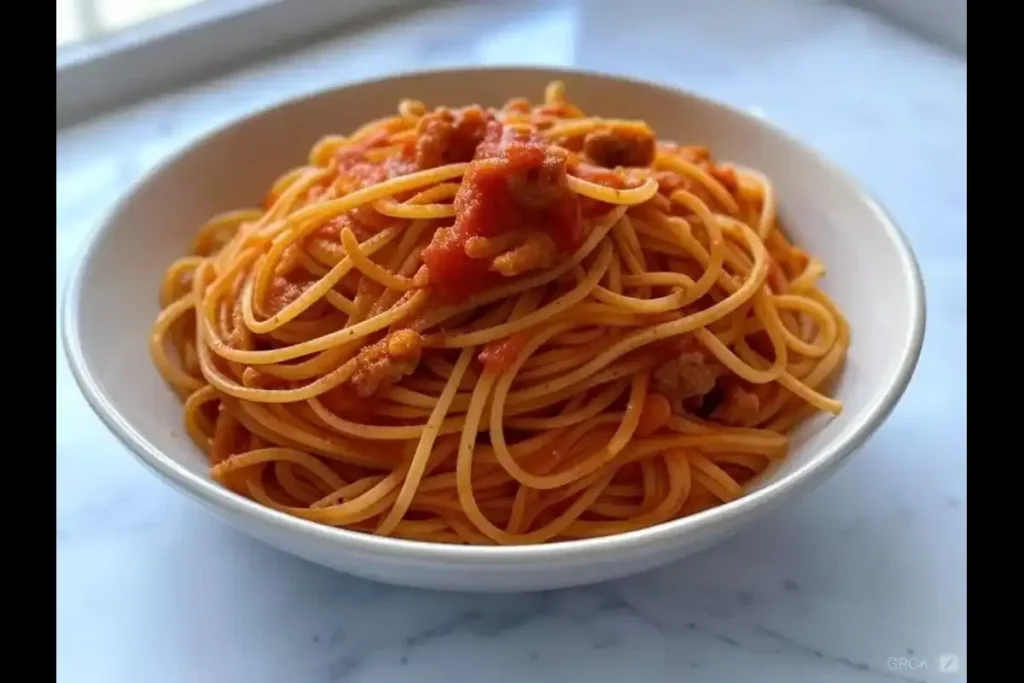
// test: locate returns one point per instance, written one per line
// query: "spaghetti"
(498, 326)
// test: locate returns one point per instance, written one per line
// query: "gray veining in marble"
(863, 580)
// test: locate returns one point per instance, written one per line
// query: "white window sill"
(195, 43)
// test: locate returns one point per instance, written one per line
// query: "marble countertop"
(862, 580)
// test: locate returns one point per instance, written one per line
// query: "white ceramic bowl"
(111, 301)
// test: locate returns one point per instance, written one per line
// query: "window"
(84, 21)
(112, 52)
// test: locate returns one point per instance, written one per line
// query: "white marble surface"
(862, 580)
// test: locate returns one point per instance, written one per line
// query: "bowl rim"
(207, 491)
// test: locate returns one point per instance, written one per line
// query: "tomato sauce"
(344, 402)
(501, 354)
(515, 181)
(598, 175)
(353, 162)
(283, 291)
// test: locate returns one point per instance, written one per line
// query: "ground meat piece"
(541, 186)
(537, 252)
(620, 147)
(686, 376)
(739, 407)
(489, 247)
(387, 361)
(516, 182)
(447, 137)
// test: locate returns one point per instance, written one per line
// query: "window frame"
(194, 43)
